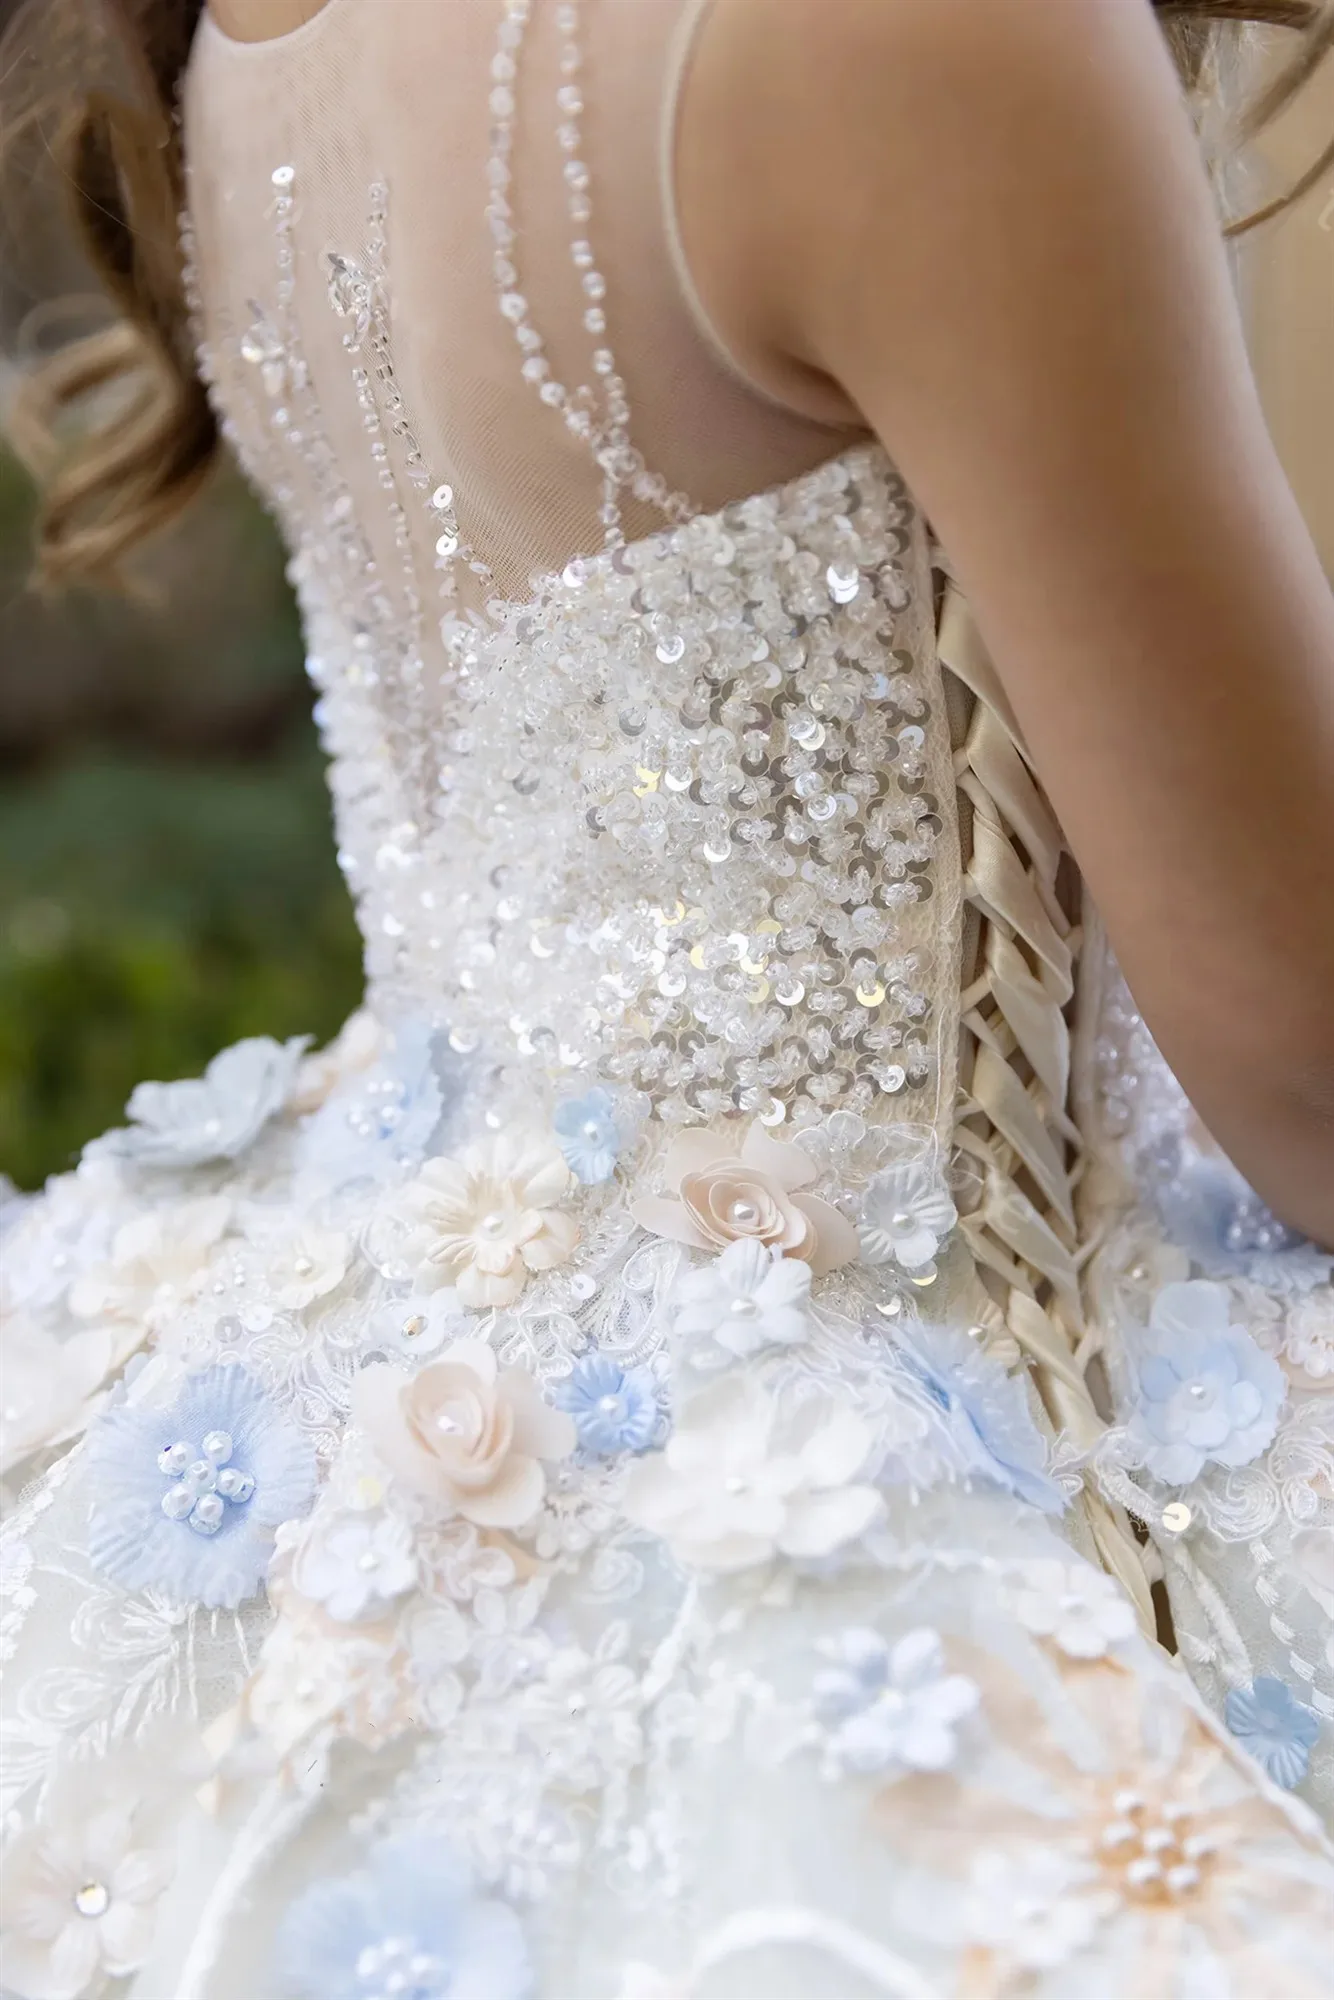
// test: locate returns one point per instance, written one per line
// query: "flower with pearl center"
(613, 1408)
(906, 1212)
(158, 1262)
(1206, 1390)
(725, 1192)
(1077, 1607)
(744, 1478)
(465, 1433)
(484, 1222)
(589, 1136)
(747, 1299)
(354, 1565)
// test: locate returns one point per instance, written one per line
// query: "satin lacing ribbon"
(1012, 1121)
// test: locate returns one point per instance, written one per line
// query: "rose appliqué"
(722, 1191)
(465, 1433)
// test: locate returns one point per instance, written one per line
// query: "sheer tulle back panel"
(508, 158)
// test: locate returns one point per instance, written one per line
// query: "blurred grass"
(167, 872)
(149, 915)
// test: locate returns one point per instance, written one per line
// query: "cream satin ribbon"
(1017, 1127)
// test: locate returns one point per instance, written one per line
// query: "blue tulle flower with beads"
(408, 1925)
(984, 1413)
(185, 1498)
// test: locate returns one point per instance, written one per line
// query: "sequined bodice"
(680, 813)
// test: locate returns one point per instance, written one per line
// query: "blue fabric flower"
(184, 1500)
(391, 1116)
(589, 1136)
(985, 1411)
(1221, 1223)
(1205, 1390)
(217, 1116)
(614, 1409)
(406, 1925)
(1275, 1727)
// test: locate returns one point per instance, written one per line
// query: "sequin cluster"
(690, 819)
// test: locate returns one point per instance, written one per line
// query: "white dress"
(591, 1487)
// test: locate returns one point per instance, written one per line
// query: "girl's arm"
(984, 225)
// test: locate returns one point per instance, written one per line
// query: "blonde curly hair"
(116, 426)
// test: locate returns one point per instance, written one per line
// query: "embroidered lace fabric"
(590, 1486)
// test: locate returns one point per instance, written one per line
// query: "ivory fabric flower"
(1076, 1606)
(723, 1192)
(355, 1565)
(463, 1432)
(354, 1048)
(742, 1479)
(906, 1212)
(157, 1263)
(1206, 1391)
(217, 1116)
(304, 1264)
(77, 1893)
(486, 1220)
(1034, 1905)
(1308, 1342)
(47, 1386)
(891, 1708)
(747, 1299)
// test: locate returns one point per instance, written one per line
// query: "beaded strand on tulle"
(605, 430)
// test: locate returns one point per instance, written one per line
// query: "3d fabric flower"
(185, 1499)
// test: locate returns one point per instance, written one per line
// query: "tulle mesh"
(400, 94)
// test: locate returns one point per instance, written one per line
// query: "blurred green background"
(167, 875)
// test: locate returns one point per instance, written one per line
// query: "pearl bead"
(173, 1460)
(734, 1485)
(235, 1485)
(744, 1309)
(217, 1447)
(177, 1502)
(744, 1214)
(302, 1266)
(491, 1225)
(609, 1405)
(93, 1899)
(366, 1563)
(901, 1219)
(414, 1326)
